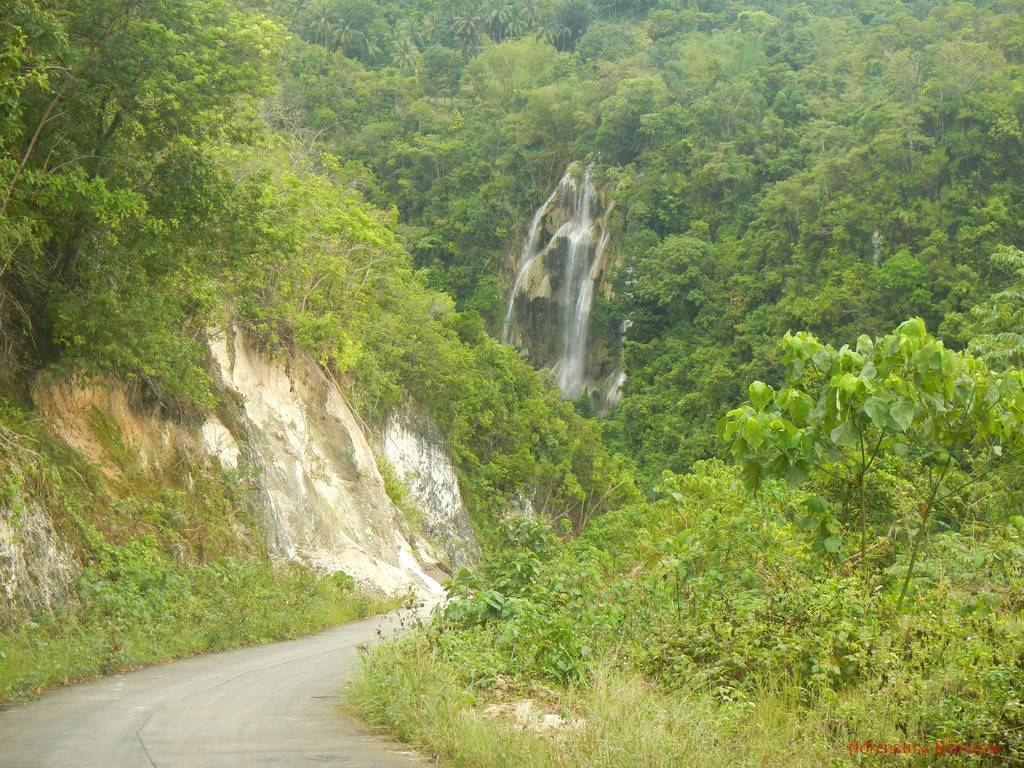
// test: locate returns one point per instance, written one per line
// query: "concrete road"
(269, 706)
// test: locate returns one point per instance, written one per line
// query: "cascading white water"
(584, 240)
(528, 256)
(583, 256)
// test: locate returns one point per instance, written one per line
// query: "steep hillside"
(119, 518)
(137, 544)
(775, 165)
(218, 356)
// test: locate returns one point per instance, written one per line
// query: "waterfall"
(614, 383)
(582, 238)
(527, 257)
(579, 292)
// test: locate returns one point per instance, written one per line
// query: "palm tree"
(467, 27)
(498, 13)
(404, 53)
(531, 14)
(372, 50)
(517, 27)
(345, 35)
(553, 30)
(427, 29)
(320, 23)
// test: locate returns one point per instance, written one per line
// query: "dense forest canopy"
(154, 179)
(829, 167)
(834, 167)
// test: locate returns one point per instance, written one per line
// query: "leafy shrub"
(842, 412)
(709, 589)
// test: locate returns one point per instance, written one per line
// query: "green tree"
(904, 394)
(109, 178)
(621, 132)
(997, 333)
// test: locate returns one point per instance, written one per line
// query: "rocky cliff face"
(565, 261)
(415, 449)
(320, 496)
(326, 504)
(37, 567)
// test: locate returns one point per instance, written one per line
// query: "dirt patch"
(541, 711)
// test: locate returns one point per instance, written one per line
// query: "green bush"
(714, 591)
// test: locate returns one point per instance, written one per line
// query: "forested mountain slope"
(142, 203)
(835, 167)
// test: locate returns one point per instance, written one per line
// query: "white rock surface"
(322, 496)
(37, 568)
(220, 443)
(415, 449)
(325, 497)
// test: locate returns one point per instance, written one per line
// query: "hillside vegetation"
(835, 167)
(137, 200)
(805, 194)
(776, 627)
(149, 191)
(175, 562)
(802, 527)
(707, 628)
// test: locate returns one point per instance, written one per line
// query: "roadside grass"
(142, 609)
(704, 629)
(404, 689)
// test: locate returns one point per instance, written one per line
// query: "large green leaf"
(902, 413)
(845, 435)
(760, 394)
(877, 410)
(800, 406)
